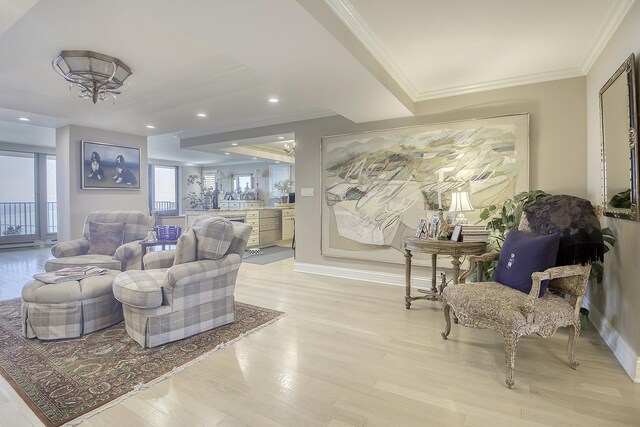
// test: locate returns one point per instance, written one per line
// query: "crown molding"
(615, 15)
(358, 26)
(500, 84)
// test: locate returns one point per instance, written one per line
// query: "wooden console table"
(435, 248)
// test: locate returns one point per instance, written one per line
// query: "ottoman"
(69, 309)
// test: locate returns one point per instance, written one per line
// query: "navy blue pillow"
(522, 254)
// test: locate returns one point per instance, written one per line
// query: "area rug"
(62, 380)
(268, 255)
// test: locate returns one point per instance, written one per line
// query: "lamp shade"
(460, 202)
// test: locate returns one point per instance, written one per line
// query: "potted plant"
(284, 188)
(500, 220)
(12, 230)
(203, 198)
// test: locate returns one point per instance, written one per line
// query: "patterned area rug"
(61, 380)
(267, 255)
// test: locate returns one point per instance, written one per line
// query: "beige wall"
(618, 298)
(74, 203)
(557, 134)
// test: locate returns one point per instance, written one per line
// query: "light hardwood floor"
(349, 353)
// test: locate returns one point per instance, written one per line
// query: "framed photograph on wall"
(107, 166)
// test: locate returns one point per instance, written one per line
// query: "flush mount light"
(234, 143)
(277, 161)
(151, 127)
(254, 158)
(281, 137)
(226, 154)
(274, 100)
(202, 115)
(96, 76)
(24, 119)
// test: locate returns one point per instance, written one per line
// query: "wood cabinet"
(288, 223)
(270, 226)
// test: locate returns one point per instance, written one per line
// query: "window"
(277, 173)
(210, 179)
(163, 189)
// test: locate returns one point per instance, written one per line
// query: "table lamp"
(460, 203)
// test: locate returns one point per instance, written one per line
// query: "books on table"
(69, 273)
(475, 233)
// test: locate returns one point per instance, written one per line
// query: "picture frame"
(420, 231)
(107, 166)
(457, 230)
(433, 227)
(368, 206)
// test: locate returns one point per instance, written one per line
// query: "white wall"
(618, 298)
(74, 203)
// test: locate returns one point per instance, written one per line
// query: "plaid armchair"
(75, 252)
(193, 292)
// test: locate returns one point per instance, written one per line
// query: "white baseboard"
(624, 353)
(364, 275)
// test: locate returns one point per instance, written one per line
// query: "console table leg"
(407, 275)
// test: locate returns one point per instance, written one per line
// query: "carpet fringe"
(141, 387)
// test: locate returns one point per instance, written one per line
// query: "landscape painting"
(376, 186)
(107, 166)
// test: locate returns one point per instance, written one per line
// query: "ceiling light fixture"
(226, 154)
(234, 143)
(281, 137)
(24, 119)
(274, 100)
(202, 115)
(151, 127)
(254, 158)
(290, 149)
(96, 76)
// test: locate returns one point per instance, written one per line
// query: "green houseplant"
(501, 219)
(284, 188)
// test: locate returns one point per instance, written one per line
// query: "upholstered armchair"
(113, 245)
(191, 291)
(516, 313)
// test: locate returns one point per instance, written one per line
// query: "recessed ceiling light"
(151, 127)
(226, 154)
(234, 143)
(274, 100)
(202, 115)
(24, 119)
(281, 137)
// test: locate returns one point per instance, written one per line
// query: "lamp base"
(461, 219)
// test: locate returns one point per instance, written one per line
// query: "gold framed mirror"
(619, 128)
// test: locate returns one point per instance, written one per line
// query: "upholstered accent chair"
(513, 313)
(192, 288)
(127, 254)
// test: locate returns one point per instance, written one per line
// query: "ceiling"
(362, 59)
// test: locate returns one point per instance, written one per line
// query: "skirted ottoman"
(69, 309)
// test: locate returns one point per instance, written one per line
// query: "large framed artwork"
(378, 185)
(108, 166)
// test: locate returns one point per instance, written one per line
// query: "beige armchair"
(126, 256)
(513, 313)
(190, 289)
